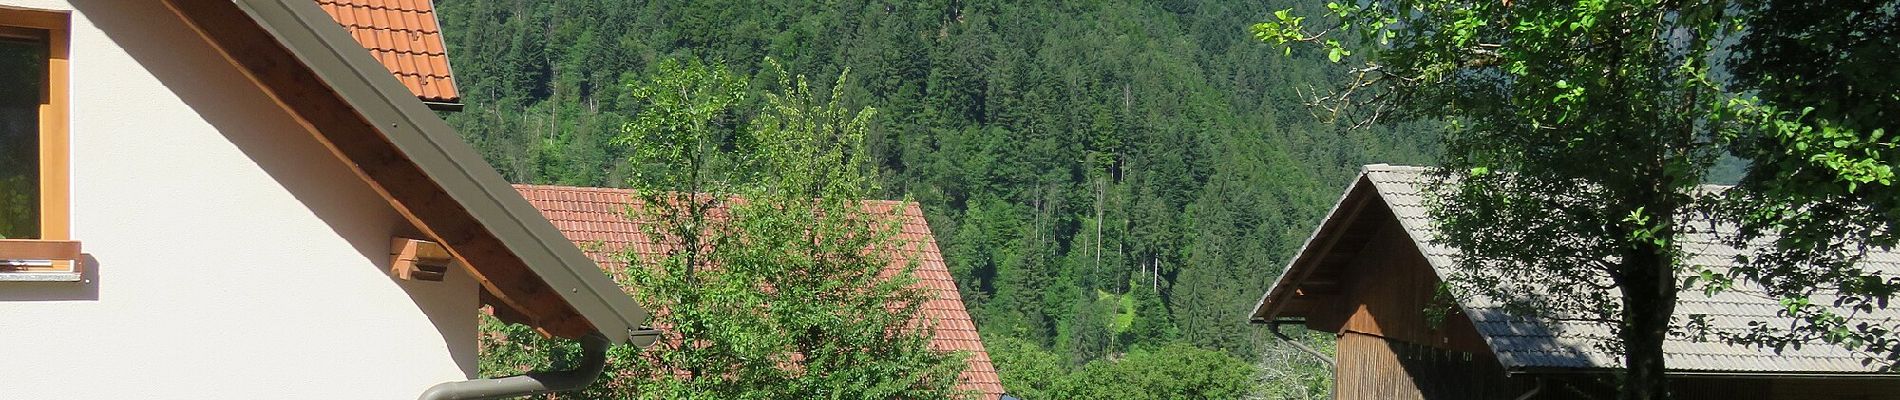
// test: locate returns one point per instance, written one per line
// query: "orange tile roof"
(404, 35)
(591, 216)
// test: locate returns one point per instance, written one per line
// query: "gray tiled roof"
(1521, 343)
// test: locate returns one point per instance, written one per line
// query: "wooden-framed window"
(35, 213)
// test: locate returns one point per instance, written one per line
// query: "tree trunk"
(1649, 299)
(1101, 186)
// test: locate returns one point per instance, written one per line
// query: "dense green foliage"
(781, 294)
(1102, 176)
(1821, 135)
(1173, 371)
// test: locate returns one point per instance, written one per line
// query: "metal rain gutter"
(593, 361)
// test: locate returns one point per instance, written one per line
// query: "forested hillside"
(1103, 176)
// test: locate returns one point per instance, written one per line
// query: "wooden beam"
(357, 142)
(418, 260)
(35, 18)
(55, 134)
(503, 312)
(1305, 292)
(32, 249)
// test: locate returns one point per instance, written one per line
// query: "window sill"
(39, 277)
(39, 261)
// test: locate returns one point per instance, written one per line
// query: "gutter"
(593, 361)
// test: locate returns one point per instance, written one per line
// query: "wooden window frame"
(55, 242)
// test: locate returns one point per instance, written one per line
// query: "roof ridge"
(541, 186)
(1383, 167)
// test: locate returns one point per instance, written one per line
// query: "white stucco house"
(252, 199)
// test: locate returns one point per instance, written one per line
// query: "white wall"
(230, 255)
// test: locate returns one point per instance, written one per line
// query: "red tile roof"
(404, 35)
(596, 219)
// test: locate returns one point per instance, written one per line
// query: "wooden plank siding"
(1390, 345)
(1371, 367)
(1389, 288)
(1823, 389)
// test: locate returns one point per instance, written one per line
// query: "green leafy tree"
(1820, 190)
(1581, 132)
(768, 285)
(1027, 370)
(784, 296)
(1584, 128)
(1175, 371)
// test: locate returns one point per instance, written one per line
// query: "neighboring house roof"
(596, 218)
(1573, 344)
(406, 38)
(299, 56)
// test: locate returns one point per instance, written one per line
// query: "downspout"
(1275, 328)
(593, 361)
(1534, 389)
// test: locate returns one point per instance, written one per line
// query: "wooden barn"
(1371, 275)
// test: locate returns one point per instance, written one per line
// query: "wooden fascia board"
(465, 177)
(356, 140)
(1305, 263)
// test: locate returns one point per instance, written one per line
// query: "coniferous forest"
(1107, 179)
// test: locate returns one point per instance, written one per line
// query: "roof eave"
(1548, 371)
(1267, 310)
(421, 138)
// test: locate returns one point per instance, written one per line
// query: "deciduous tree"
(772, 281)
(1581, 131)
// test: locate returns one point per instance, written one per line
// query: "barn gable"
(1394, 198)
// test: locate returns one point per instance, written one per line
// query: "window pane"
(22, 83)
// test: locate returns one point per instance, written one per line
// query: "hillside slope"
(1103, 175)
